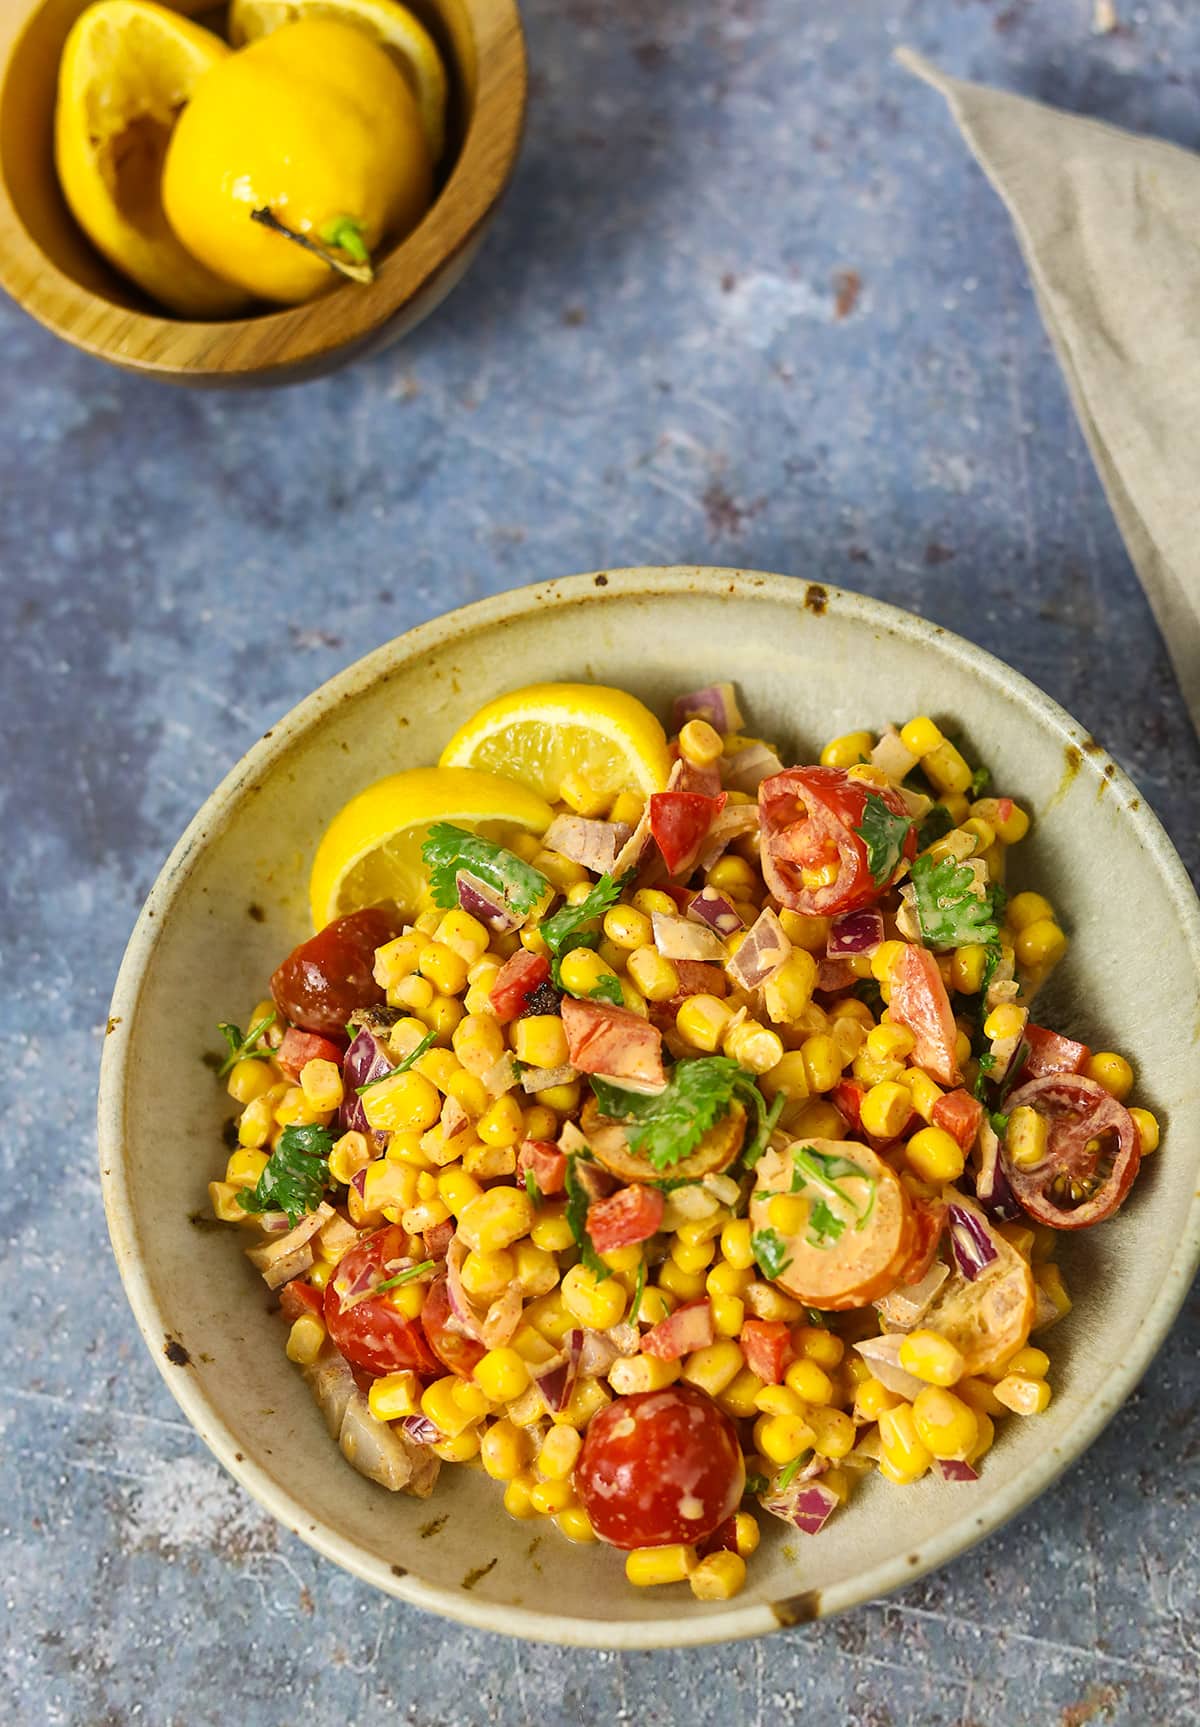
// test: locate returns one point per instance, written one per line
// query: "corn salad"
(693, 1159)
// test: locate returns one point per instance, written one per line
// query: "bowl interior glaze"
(810, 662)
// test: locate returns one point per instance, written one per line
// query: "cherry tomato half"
(679, 822)
(1092, 1147)
(321, 982)
(813, 818)
(632, 1215)
(299, 1047)
(453, 1348)
(516, 981)
(919, 1001)
(659, 1467)
(372, 1334)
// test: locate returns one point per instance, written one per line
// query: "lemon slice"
(410, 44)
(127, 69)
(371, 850)
(541, 734)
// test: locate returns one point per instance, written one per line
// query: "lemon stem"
(349, 239)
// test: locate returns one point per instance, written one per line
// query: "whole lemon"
(300, 153)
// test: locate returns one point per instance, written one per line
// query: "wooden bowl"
(50, 268)
(811, 662)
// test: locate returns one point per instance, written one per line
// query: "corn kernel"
(944, 765)
(702, 1021)
(517, 1496)
(487, 1275)
(439, 1403)
(653, 975)
(778, 1400)
(885, 1109)
(872, 1398)
(582, 972)
(902, 1446)
(1024, 1396)
(1040, 943)
(465, 934)
(979, 1396)
(409, 1299)
(559, 1452)
(946, 1425)
(394, 1395)
(890, 1042)
(459, 1449)
(249, 1079)
(305, 1339)
(564, 872)
(647, 1567)
(816, 1344)
(398, 959)
(765, 1301)
(244, 1167)
(389, 1185)
(684, 1285)
(502, 1374)
(718, 1576)
(788, 993)
(920, 736)
(502, 1123)
(1111, 1071)
(1031, 1362)
(550, 1229)
(540, 1040)
(406, 1102)
(294, 1110)
(736, 1244)
(1049, 1280)
(504, 1450)
(700, 743)
(785, 1437)
(738, 1397)
(1028, 908)
(1005, 1020)
(822, 1063)
(1026, 1136)
(713, 1368)
(630, 1374)
(496, 1219)
(729, 1314)
(563, 1099)
(753, 1046)
(597, 1305)
(414, 993)
(788, 1213)
(1019, 1236)
(589, 1397)
(929, 1356)
(478, 1043)
(810, 1382)
(746, 1533)
(1148, 1131)
(848, 750)
(834, 1432)
(934, 1155)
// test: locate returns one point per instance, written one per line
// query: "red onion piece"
(716, 703)
(598, 1354)
(835, 976)
(712, 908)
(502, 1318)
(365, 1060)
(855, 932)
(483, 902)
(882, 1356)
(419, 1430)
(902, 1309)
(461, 1305)
(970, 1242)
(595, 845)
(892, 756)
(358, 1181)
(798, 1503)
(689, 1328)
(681, 938)
(556, 1379)
(955, 1469)
(993, 1189)
(502, 1076)
(635, 846)
(733, 821)
(764, 951)
(542, 1078)
(745, 770)
(274, 1222)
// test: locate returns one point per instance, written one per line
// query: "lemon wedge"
(127, 69)
(544, 732)
(371, 850)
(406, 39)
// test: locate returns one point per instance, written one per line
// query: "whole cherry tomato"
(659, 1467)
(813, 819)
(370, 1332)
(321, 982)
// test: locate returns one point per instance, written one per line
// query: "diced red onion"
(556, 1379)
(502, 1318)
(635, 846)
(683, 938)
(711, 907)
(745, 770)
(461, 1305)
(834, 976)
(625, 1337)
(365, 1060)
(733, 821)
(955, 1469)
(482, 901)
(274, 1222)
(970, 1242)
(993, 1189)
(502, 1076)
(882, 1356)
(688, 776)
(892, 756)
(419, 1430)
(716, 703)
(598, 1354)
(542, 1078)
(572, 1141)
(594, 845)
(855, 932)
(901, 1309)
(358, 1181)
(813, 1506)
(764, 951)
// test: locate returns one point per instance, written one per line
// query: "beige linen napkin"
(1109, 224)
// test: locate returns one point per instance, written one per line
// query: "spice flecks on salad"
(675, 1154)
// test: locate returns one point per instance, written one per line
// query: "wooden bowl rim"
(294, 336)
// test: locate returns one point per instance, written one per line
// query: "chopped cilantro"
(448, 849)
(823, 1226)
(816, 1318)
(567, 929)
(822, 1171)
(410, 1060)
(577, 1210)
(608, 989)
(950, 912)
(867, 990)
(980, 780)
(999, 1122)
(790, 1471)
(987, 1062)
(757, 1484)
(668, 1127)
(769, 1248)
(1020, 1057)
(246, 1048)
(936, 826)
(296, 1175)
(532, 1188)
(403, 1277)
(884, 834)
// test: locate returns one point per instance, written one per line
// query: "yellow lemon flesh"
(313, 126)
(406, 39)
(371, 850)
(127, 68)
(541, 734)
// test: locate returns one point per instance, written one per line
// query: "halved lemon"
(127, 69)
(405, 37)
(371, 850)
(544, 732)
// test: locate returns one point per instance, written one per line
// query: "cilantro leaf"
(577, 1210)
(790, 1471)
(567, 928)
(757, 1484)
(296, 1175)
(937, 824)
(245, 1048)
(532, 1188)
(410, 1060)
(668, 1127)
(999, 1123)
(980, 780)
(403, 1277)
(448, 849)
(884, 834)
(769, 1248)
(823, 1226)
(608, 989)
(950, 912)
(987, 1062)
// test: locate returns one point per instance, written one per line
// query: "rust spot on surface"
(239, 1457)
(434, 1526)
(478, 1574)
(601, 581)
(255, 912)
(399, 1571)
(847, 286)
(202, 1221)
(1092, 748)
(816, 598)
(175, 1353)
(1135, 803)
(1097, 1700)
(798, 1609)
(112, 1025)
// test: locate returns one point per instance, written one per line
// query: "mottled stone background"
(748, 302)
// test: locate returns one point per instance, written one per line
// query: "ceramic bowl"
(48, 266)
(811, 662)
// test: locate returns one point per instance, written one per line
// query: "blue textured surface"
(750, 303)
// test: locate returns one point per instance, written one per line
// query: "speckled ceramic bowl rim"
(751, 1619)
